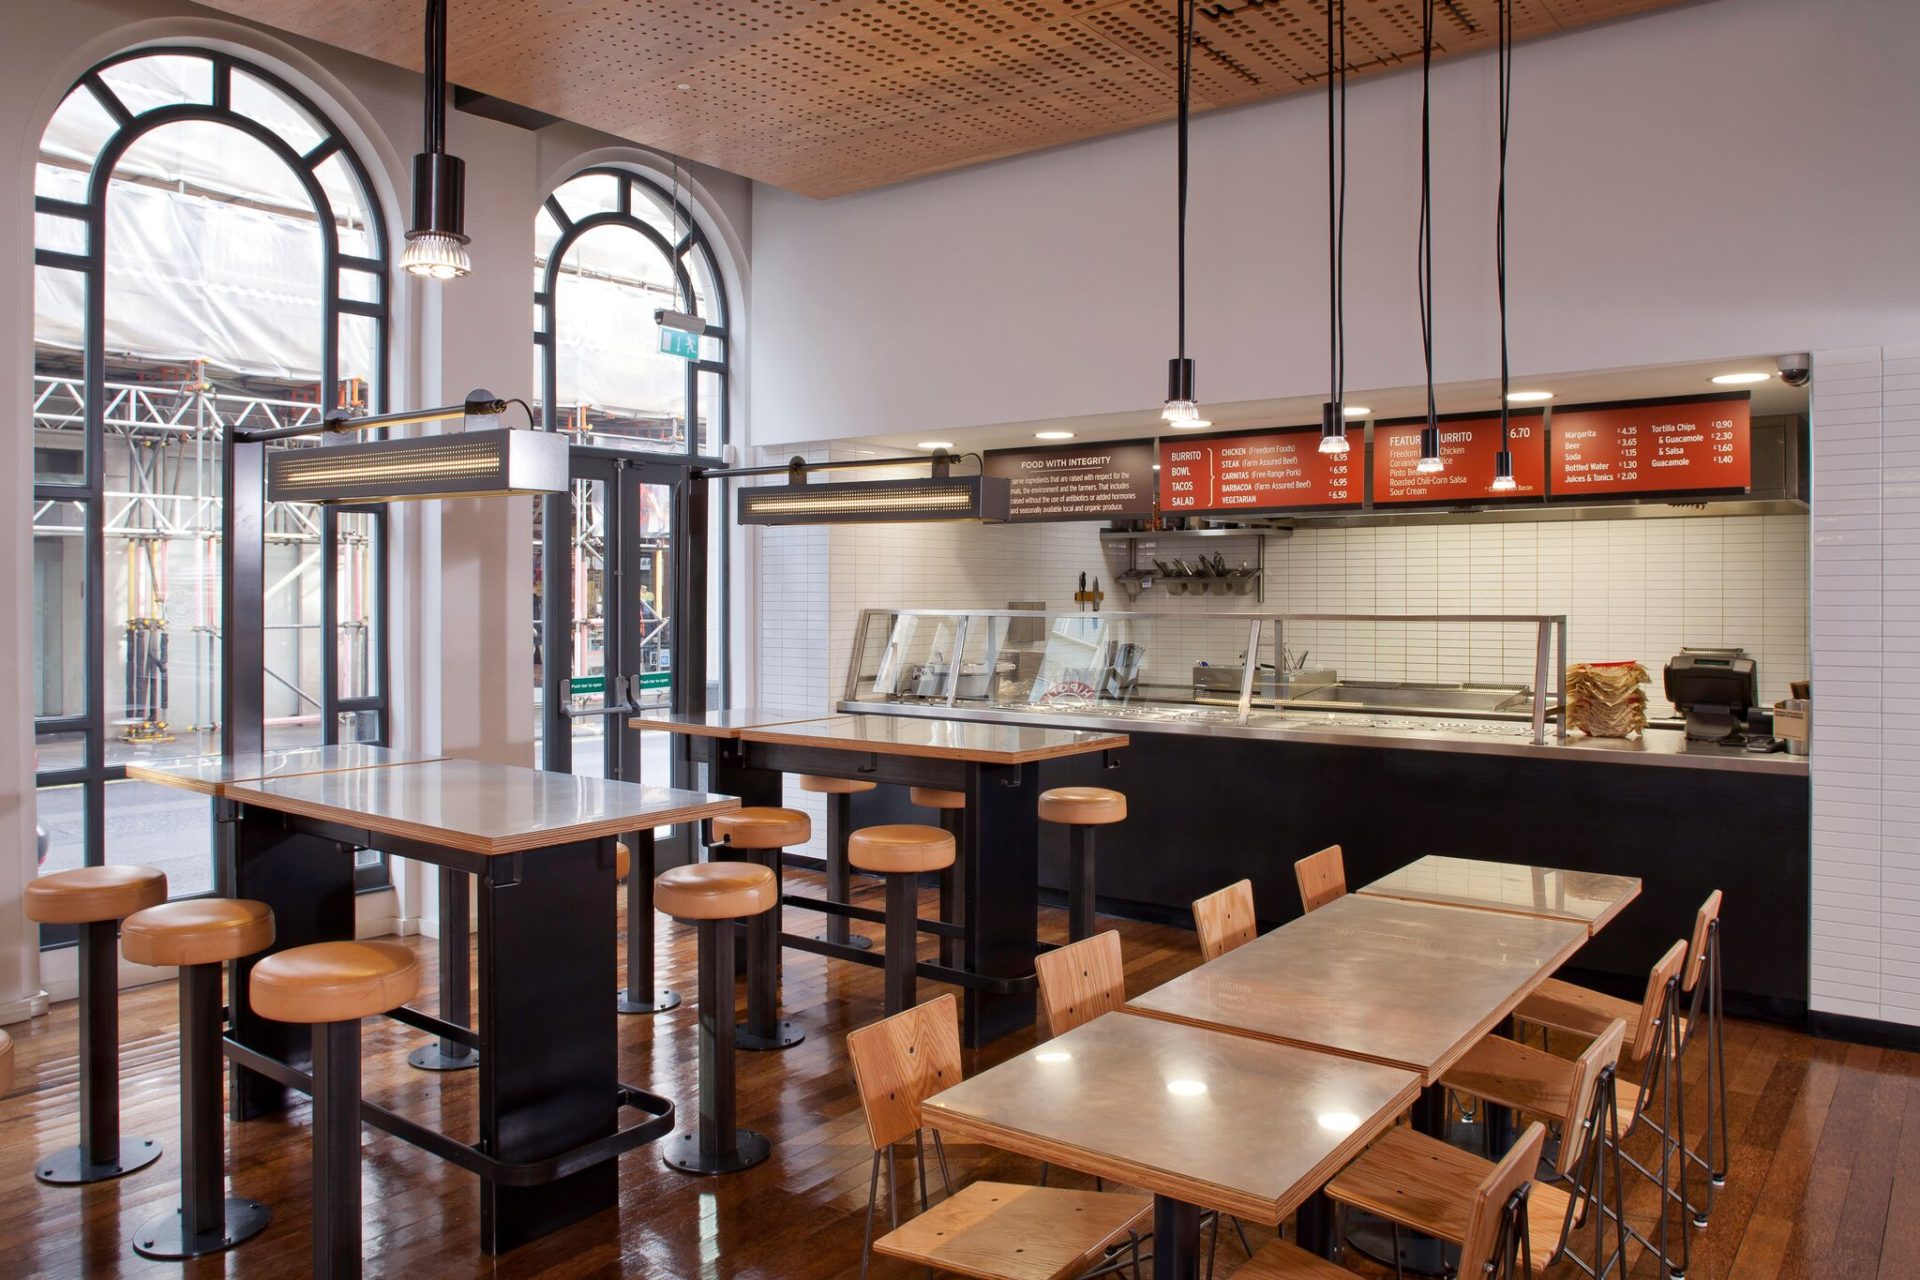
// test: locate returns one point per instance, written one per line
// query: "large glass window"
(208, 255)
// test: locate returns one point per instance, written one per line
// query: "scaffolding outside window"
(208, 255)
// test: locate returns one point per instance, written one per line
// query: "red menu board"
(1470, 446)
(1256, 471)
(1691, 445)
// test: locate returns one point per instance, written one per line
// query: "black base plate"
(785, 1036)
(166, 1238)
(68, 1167)
(858, 941)
(1420, 1255)
(683, 1153)
(442, 1056)
(664, 998)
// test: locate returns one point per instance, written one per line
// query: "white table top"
(211, 775)
(937, 739)
(1587, 898)
(1219, 1120)
(1410, 984)
(716, 724)
(480, 808)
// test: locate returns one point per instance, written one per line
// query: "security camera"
(1795, 370)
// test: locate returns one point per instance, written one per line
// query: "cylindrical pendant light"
(436, 238)
(1182, 410)
(1430, 460)
(1333, 424)
(1503, 481)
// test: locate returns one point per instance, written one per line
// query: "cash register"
(1714, 689)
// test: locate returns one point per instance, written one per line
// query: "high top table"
(542, 847)
(1586, 898)
(1203, 1119)
(996, 766)
(212, 775)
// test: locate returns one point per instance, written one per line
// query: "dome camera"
(1795, 370)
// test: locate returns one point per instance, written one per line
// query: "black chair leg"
(102, 1153)
(903, 937)
(207, 1221)
(336, 1150)
(839, 875)
(764, 1029)
(716, 1144)
(1080, 891)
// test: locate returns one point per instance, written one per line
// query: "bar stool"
(640, 995)
(331, 986)
(762, 836)
(1080, 810)
(97, 899)
(839, 793)
(714, 895)
(952, 806)
(902, 853)
(199, 936)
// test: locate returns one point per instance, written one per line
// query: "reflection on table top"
(716, 724)
(1586, 898)
(1214, 1119)
(211, 775)
(480, 808)
(937, 739)
(1410, 984)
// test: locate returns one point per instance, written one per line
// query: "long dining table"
(996, 766)
(1588, 898)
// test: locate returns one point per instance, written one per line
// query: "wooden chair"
(1423, 1183)
(1580, 1098)
(1081, 981)
(994, 1230)
(1700, 983)
(1322, 877)
(1224, 919)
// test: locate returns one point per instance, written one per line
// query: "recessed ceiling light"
(1527, 397)
(1355, 411)
(934, 444)
(1053, 435)
(1740, 379)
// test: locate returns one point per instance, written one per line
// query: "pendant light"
(1182, 411)
(436, 238)
(1503, 481)
(1333, 424)
(1430, 461)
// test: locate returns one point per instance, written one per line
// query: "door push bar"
(624, 707)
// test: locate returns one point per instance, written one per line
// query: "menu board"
(1692, 445)
(1257, 471)
(1103, 481)
(1470, 447)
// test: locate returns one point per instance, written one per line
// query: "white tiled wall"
(1866, 645)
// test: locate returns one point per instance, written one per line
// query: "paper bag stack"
(1604, 699)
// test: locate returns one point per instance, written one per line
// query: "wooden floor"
(1825, 1175)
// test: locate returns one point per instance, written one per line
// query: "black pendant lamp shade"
(436, 238)
(1182, 410)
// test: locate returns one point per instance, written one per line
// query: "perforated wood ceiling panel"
(830, 96)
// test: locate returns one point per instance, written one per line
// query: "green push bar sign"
(678, 342)
(581, 686)
(656, 679)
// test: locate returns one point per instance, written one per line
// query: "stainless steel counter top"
(1657, 747)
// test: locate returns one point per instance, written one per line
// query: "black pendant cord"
(1337, 201)
(1504, 61)
(1184, 23)
(1423, 270)
(436, 73)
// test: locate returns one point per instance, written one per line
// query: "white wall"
(1719, 179)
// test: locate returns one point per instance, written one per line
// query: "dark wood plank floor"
(1825, 1175)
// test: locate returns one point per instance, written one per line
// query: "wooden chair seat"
(6, 1063)
(197, 931)
(1515, 1075)
(758, 828)
(1083, 806)
(1003, 1231)
(824, 786)
(1564, 1006)
(90, 895)
(900, 848)
(1284, 1260)
(334, 981)
(935, 798)
(715, 891)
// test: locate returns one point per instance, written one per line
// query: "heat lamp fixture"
(436, 238)
(1181, 410)
(1333, 414)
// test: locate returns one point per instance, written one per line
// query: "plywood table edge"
(150, 773)
(467, 842)
(1268, 1037)
(1505, 1008)
(779, 735)
(1592, 926)
(716, 730)
(139, 773)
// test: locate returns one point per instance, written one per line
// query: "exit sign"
(678, 342)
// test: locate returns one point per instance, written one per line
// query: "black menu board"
(1106, 480)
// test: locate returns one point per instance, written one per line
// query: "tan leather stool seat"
(6, 1062)
(935, 798)
(833, 786)
(756, 828)
(1083, 806)
(900, 848)
(715, 891)
(334, 981)
(197, 931)
(88, 895)
(622, 860)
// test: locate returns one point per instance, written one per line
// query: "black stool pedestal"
(717, 1144)
(102, 1154)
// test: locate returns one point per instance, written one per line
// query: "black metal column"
(764, 1029)
(1002, 895)
(336, 1150)
(716, 1144)
(1080, 887)
(640, 995)
(101, 1153)
(953, 908)
(243, 587)
(1176, 1239)
(456, 975)
(902, 942)
(839, 876)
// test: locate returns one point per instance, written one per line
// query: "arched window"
(208, 253)
(611, 249)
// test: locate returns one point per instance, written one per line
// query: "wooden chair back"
(1703, 922)
(1081, 981)
(1322, 877)
(1485, 1218)
(1224, 919)
(1588, 1070)
(1653, 1005)
(900, 1062)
